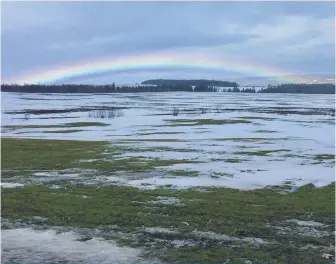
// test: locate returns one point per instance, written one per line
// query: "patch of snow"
(54, 186)
(56, 174)
(181, 243)
(26, 245)
(154, 230)
(213, 235)
(327, 256)
(302, 230)
(10, 185)
(45, 174)
(166, 200)
(40, 218)
(254, 240)
(306, 223)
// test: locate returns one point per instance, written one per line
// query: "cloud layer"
(294, 36)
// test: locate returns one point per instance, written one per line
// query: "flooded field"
(233, 140)
(168, 177)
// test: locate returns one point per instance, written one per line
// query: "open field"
(126, 177)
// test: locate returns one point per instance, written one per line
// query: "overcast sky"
(294, 36)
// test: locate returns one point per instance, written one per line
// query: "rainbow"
(152, 63)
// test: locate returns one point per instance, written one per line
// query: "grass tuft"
(200, 122)
(260, 152)
(64, 131)
(184, 173)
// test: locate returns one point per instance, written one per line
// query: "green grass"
(203, 255)
(158, 149)
(294, 156)
(85, 124)
(47, 154)
(233, 160)
(219, 174)
(64, 131)
(69, 154)
(265, 131)
(229, 160)
(251, 139)
(325, 157)
(154, 139)
(224, 211)
(188, 173)
(257, 118)
(260, 152)
(147, 129)
(231, 203)
(200, 122)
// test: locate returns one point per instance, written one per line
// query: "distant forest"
(172, 86)
(191, 82)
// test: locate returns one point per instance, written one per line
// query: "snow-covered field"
(294, 130)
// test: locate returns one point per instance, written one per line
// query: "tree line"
(322, 88)
(315, 88)
(87, 88)
(180, 87)
(200, 83)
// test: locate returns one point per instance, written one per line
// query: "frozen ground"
(295, 131)
(241, 141)
(25, 245)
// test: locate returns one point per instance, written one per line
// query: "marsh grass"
(85, 124)
(176, 112)
(222, 174)
(265, 131)
(200, 122)
(307, 111)
(64, 131)
(324, 157)
(106, 113)
(65, 111)
(72, 124)
(159, 133)
(251, 139)
(188, 173)
(155, 139)
(257, 118)
(234, 160)
(158, 149)
(260, 152)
